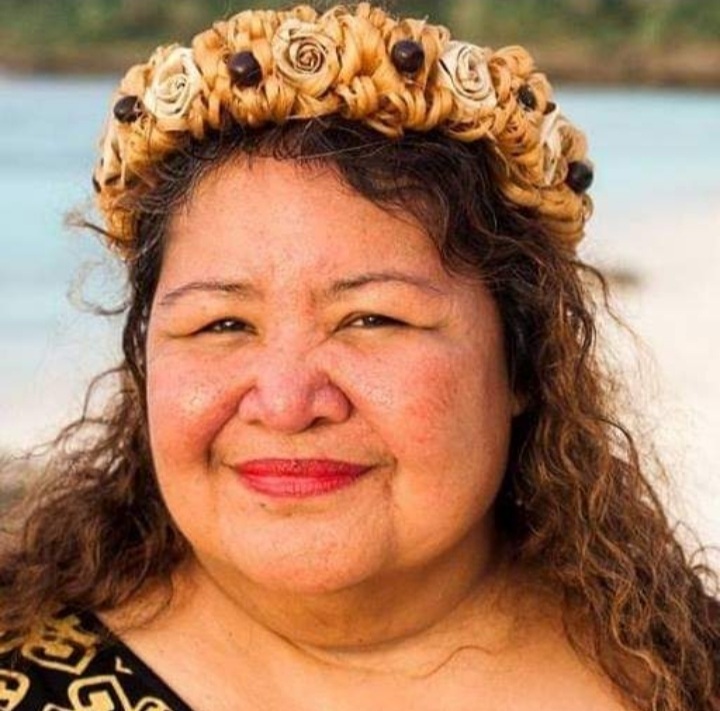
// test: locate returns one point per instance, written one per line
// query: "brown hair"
(576, 504)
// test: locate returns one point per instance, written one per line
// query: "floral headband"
(262, 67)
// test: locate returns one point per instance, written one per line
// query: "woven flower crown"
(262, 67)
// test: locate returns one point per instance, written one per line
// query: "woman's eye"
(225, 325)
(374, 321)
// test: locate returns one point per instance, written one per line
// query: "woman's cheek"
(372, 379)
(190, 399)
(400, 392)
(425, 384)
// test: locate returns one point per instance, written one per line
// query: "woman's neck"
(406, 621)
(216, 651)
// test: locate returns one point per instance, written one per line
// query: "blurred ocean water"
(657, 196)
(48, 131)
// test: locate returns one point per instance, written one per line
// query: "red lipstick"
(298, 478)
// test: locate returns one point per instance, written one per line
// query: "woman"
(361, 451)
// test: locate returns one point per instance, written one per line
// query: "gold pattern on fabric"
(62, 644)
(104, 693)
(13, 689)
(120, 667)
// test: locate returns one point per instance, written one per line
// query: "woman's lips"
(298, 477)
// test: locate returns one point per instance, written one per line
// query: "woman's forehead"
(247, 186)
(287, 216)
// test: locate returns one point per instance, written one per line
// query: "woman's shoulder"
(71, 662)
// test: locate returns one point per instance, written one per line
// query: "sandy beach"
(671, 367)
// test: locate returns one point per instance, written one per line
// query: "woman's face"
(295, 320)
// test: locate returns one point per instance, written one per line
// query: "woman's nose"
(290, 394)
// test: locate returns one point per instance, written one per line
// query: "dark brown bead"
(244, 69)
(527, 97)
(408, 56)
(127, 109)
(551, 106)
(579, 177)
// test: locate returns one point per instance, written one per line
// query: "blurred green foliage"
(645, 21)
(40, 21)
(47, 27)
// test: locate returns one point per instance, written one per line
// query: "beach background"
(654, 131)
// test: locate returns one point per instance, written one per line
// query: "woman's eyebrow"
(247, 291)
(342, 286)
(242, 289)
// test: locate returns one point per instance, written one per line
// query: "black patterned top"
(74, 663)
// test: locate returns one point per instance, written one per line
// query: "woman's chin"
(299, 581)
(310, 570)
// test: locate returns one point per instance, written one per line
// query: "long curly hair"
(576, 505)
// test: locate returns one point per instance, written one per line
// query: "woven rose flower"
(551, 140)
(464, 70)
(176, 81)
(110, 167)
(305, 56)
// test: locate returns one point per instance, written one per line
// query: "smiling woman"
(319, 372)
(362, 452)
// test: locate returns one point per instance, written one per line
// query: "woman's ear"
(519, 403)
(517, 356)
